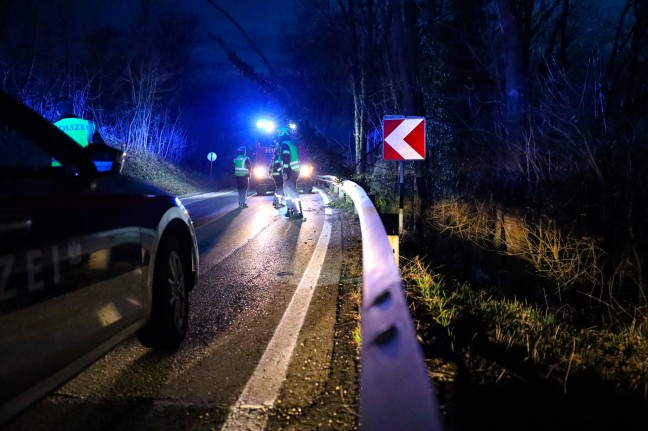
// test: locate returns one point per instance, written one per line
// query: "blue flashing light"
(267, 126)
(103, 166)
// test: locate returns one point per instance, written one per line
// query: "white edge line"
(261, 391)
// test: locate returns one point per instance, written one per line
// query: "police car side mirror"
(106, 159)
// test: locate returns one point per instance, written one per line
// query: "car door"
(70, 263)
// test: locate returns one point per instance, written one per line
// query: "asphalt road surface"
(261, 342)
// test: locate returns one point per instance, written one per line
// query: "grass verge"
(512, 363)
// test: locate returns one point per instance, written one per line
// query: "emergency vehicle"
(88, 258)
(261, 180)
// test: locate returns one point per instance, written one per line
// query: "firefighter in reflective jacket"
(242, 175)
(290, 160)
(275, 171)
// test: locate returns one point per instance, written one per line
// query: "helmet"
(64, 106)
(240, 149)
(283, 132)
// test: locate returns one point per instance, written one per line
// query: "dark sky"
(261, 19)
(221, 107)
(224, 109)
(232, 123)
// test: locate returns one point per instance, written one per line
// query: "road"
(260, 352)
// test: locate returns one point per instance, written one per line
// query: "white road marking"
(250, 412)
(202, 196)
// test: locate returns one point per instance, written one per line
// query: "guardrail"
(395, 391)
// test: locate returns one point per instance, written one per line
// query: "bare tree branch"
(245, 35)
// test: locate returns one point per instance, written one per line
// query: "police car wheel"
(169, 320)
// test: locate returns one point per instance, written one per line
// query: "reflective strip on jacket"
(78, 129)
(240, 168)
(289, 148)
(275, 167)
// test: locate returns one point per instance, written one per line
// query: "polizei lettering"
(34, 269)
(73, 127)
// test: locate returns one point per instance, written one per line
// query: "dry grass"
(565, 258)
(504, 347)
(426, 289)
(167, 176)
(549, 340)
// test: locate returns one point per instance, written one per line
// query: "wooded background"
(534, 104)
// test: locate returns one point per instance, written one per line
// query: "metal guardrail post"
(395, 391)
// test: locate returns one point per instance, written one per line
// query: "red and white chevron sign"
(404, 138)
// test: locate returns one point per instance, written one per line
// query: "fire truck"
(261, 180)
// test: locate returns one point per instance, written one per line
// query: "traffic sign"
(404, 138)
(211, 157)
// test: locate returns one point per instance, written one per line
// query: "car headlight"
(305, 171)
(260, 172)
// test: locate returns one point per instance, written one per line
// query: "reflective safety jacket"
(275, 165)
(290, 156)
(82, 131)
(241, 166)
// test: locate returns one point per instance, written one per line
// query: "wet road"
(253, 264)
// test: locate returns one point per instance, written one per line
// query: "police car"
(88, 258)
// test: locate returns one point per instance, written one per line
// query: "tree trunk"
(357, 88)
(513, 69)
(406, 43)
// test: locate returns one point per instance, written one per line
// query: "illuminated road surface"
(252, 262)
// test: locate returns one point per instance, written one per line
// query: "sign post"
(404, 139)
(211, 157)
